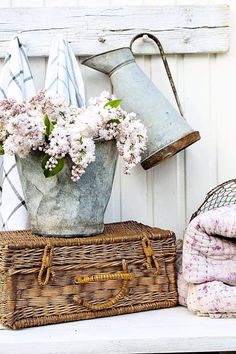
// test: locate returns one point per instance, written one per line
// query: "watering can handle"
(166, 65)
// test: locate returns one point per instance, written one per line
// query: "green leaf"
(55, 170)
(117, 121)
(1, 149)
(49, 125)
(113, 104)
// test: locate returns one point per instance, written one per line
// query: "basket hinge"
(151, 261)
(46, 272)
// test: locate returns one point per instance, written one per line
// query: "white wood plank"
(181, 161)
(93, 3)
(128, 2)
(25, 3)
(5, 3)
(60, 3)
(173, 330)
(133, 195)
(182, 29)
(200, 166)
(38, 67)
(213, 117)
(113, 212)
(200, 157)
(223, 80)
(183, 214)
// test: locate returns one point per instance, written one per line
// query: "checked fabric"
(16, 82)
(63, 76)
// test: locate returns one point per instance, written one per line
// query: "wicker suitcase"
(128, 268)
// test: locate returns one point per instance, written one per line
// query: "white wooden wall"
(167, 195)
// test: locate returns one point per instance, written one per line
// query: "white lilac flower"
(82, 153)
(50, 125)
(26, 132)
(131, 141)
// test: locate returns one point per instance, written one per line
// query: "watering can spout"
(109, 61)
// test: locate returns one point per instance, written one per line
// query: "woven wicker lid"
(115, 232)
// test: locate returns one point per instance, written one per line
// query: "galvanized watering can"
(168, 132)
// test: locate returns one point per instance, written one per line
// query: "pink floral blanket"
(207, 272)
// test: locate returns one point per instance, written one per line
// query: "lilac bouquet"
(57, 130)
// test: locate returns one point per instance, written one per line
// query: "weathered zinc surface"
(167, 131)
(58, 206)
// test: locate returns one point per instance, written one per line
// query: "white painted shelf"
(173, 330)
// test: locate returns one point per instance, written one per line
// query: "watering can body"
(168, 132)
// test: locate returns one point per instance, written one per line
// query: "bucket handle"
(166, 65)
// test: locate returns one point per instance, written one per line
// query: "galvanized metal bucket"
(57, 206)
(168, 131)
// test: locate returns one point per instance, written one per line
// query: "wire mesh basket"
(222, 195)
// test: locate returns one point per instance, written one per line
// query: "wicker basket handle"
(125, 275)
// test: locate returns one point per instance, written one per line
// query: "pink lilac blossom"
(82, 153)
(8, 108)
(50, 125)
(131, 141)
(26, 132)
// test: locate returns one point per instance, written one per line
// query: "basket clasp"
(151, 260)
(46, 267)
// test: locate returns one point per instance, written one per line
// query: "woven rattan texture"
(222, 195)
(129, 259)
(112, 233)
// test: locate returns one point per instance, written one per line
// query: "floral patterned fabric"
(214, 299)
(207, 273)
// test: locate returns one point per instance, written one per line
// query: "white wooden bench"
(173, 330)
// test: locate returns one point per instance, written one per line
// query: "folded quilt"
(207, 268)
(214, 299)
(182, 284)
(209, 248)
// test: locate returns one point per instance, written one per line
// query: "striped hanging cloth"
(63, 75)
(16, 82)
